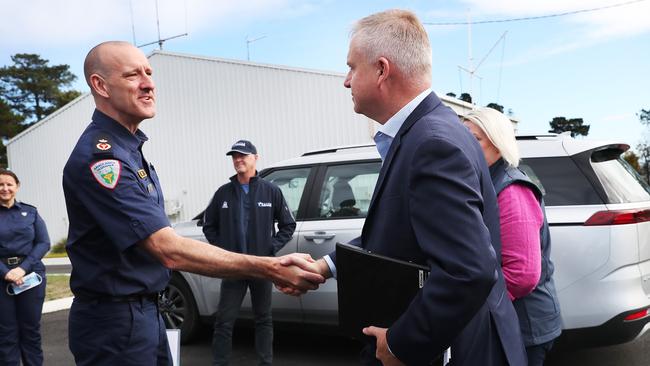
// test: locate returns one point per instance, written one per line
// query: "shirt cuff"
(330, 264)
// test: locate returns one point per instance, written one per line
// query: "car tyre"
(178, 308)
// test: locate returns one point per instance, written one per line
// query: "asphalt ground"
(298, 347)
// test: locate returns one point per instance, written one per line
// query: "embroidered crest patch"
(107, 172)
(102, 144)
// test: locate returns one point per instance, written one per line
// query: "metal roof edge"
(48, 118)
(246, 63)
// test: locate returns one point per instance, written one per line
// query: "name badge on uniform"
(142, 173)
(107, 172)
(151, 188)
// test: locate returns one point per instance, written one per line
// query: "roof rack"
(335, 149)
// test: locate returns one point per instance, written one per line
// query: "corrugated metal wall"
(38, 155)
(203, 106)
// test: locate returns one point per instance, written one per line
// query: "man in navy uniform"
(241, 218)
(120, 241)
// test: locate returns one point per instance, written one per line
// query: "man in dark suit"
(433, 204)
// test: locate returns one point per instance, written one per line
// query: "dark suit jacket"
(434, 204)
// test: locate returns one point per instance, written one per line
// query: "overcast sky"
(594, 65)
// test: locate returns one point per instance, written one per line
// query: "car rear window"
(562, 182)
(619, 180)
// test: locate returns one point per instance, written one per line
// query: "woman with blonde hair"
(525, 238)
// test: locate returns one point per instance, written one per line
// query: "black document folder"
(373, 289)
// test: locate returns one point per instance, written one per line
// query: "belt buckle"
(13, 260)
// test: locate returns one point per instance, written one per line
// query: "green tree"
(465, 97)
(644, 147)
(633, 160)
(30, 89)
(33, 88)
(574, 125)
(496, 106)
(10, 125)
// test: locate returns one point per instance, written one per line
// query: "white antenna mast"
(132, 21)
(248, 42)
(160, 41)
(472, 70)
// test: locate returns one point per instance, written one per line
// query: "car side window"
(347, 190)
(291, 183)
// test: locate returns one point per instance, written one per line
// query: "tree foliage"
(574, 125)
(633, 160)
(496, 106)
(644, 117)
(644, 147)
(465, 97)
(33, 88)
(30, 89)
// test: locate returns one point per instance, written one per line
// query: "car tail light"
(618, 217)
(636, 316)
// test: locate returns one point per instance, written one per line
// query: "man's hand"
(296, 274)
(382, 354)
(15, 275)
(307, 263)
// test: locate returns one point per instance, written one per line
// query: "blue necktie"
(383, 144)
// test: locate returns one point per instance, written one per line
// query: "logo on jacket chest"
(264, 204)
(224, 205)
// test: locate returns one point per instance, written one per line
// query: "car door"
(292, 182)
(336, 212)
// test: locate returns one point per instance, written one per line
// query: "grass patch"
(58, 250)
(58, 286)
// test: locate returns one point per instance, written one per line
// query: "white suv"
(598, 210)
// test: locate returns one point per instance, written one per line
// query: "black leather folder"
(373, 289)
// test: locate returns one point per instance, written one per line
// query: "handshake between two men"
(321, 268)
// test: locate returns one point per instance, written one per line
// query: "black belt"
(119, 298)
(10, 261)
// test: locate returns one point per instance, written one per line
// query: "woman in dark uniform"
(23, 242)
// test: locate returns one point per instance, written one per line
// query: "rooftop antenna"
(248, 42)
(160, 41)
(471, 70)
(132, 21)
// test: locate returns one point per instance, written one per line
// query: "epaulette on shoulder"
(27, 204)
(102, 144)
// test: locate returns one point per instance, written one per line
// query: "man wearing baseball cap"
(240, 218)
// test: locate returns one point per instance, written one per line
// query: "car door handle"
(319, 237)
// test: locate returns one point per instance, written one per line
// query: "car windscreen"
(619, 180)
(562, 182)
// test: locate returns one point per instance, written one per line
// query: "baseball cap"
(243, 147)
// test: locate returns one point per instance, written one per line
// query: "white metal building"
(203, 106)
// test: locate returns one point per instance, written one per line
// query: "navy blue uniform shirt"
(22, 234)
(114, 201)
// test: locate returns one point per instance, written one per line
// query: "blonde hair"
(399, 36)
(499, 130)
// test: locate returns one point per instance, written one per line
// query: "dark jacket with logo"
(267, 206)
(539, 311)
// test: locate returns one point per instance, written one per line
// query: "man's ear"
(98, 84)
(383, 69)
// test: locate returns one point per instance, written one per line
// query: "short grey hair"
(499, 130)
(398, 36)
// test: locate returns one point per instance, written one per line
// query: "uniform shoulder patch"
(106, 172)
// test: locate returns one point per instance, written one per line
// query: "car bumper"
(615, 331)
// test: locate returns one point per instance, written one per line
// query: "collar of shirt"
(16, 206)
(392, 126)
(132, 141)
